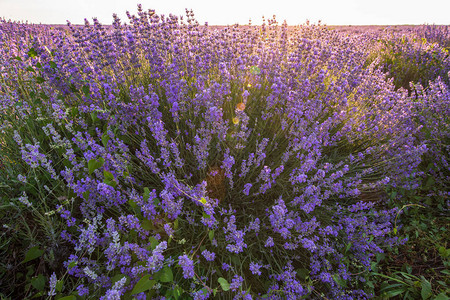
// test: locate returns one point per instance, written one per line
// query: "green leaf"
(153, 242)
(446, 272)
(30, 69)
(349, 245)
(177, 291)
(143, 285)
(146, 194)
(32, 53)
(441, 296)
(147, 225)
(85, 90)
(86, 195)
(175, 224)
(341, 282)
(38, 282)
(211, 235)
(72, 264)
(430, 182)
(164, 275)
(380, 257)
(59, 285)
(385, 287)
(203, 201)
(38, 295)
(33, 253)
(70, 297)
(235, 259)
(74, 111)
(40, 80)
(94, 164)
(105, 139)
(53, 64)
(303, 273)
(109, 179)
(94, 117)
(394, 293)
(108, 175)
(393, 195)
(132, 204)
(224, 284)
(426, 289)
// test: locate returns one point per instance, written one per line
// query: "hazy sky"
(332, 12)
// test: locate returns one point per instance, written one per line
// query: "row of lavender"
(189, 162)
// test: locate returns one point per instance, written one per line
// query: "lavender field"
(158, 158)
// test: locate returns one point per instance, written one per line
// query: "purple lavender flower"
(168, 229)
(24, 200)
(187, 265)
(82, 290)
(226, 266)
(255, 268)
(236, 282)
(254, 225)
(269, 242)
(247, 188)
(202, 294)
(150, 103)
(155, 262)
(209, 256)
(234, 237)
(52, 284)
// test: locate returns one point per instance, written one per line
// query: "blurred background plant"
(412, 58)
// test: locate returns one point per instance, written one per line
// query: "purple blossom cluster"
(258, 142)
(187, 265)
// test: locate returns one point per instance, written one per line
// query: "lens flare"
(240, 106)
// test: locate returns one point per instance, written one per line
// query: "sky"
(295, 12)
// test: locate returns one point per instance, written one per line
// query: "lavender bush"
(417, 58)
(170, 160)
(439, 34)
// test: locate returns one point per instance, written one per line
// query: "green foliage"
(95, 164)
(70, 297)
(164, 275)
(38, 282)
(144, 284)
(418, 269)
(33, 253)
(223, 284)
(31, 246)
